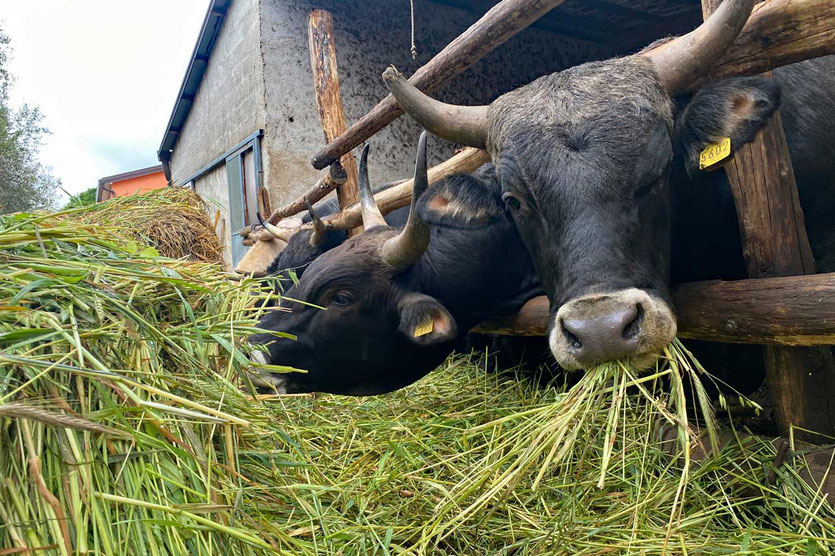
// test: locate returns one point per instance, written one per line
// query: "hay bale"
(173, 220)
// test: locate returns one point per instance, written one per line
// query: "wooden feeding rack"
(783, 306)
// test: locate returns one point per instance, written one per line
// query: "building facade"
(130, 183)
(246, 114)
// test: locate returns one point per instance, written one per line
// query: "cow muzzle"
(265, 381)
(627, 324)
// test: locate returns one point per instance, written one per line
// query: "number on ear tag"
(715, 153)
(425, 328)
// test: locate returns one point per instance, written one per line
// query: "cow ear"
(425, 321)
(734, 108)
(462, 201)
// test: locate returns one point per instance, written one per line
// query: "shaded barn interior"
(623, 25)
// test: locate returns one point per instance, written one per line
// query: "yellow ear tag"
(714, 153)
(425, 328)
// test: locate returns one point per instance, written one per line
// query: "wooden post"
(800, 381)
(328, 100)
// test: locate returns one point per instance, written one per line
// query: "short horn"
(284, 234)
(320, 234)
(409, 245)
(683, 60)
(371, 215)
(466, 125)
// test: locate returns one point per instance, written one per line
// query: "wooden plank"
(794, 311)
(468, 160)
(502, 22)
(779, 32)
(800, 381)
(332, 179)
(328, 99)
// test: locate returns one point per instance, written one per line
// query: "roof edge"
(132, 174)
(212, 24)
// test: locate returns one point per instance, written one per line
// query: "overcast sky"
(105, 73)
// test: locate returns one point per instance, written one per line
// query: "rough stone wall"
(229, 105)
(370, 35)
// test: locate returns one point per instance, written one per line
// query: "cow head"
(583, 159)
(289, 246)
(362, 324)
(305, 245)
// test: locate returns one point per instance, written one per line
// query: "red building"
(128, 183)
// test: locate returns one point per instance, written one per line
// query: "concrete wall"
(229, 105)
(370, 35)
(139, 184)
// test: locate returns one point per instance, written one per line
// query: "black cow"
(395, 302)
(584, 159)
(299, 245)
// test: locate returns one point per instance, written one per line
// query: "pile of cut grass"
(465, 462)
(119, 395)
(127, 427)
(173, 220)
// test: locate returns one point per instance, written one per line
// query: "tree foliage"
(25, 183)
(83, 199)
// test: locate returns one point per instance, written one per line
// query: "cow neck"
(476, 274)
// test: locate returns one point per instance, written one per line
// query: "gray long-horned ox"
(395, 301)
(583, 159)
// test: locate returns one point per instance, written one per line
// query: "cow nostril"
(633, 327)
(573, 340)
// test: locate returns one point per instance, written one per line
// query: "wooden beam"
(800, 381)
(779, 32)
(502, 22)
(790, 311)
(328, 99)
(468, 160)
(332, 179)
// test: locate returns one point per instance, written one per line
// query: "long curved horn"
(320, 234)
(466, 125)
(403, 250)
(681, 61)
(371, 215)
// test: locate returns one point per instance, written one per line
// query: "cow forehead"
(356, 260)
(620, 97)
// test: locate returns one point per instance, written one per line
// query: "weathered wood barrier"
(779, 32)
(788, 311)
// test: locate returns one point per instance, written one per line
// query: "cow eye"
(342, 299)
(511, 201)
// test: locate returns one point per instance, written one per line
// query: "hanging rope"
(414, 48)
